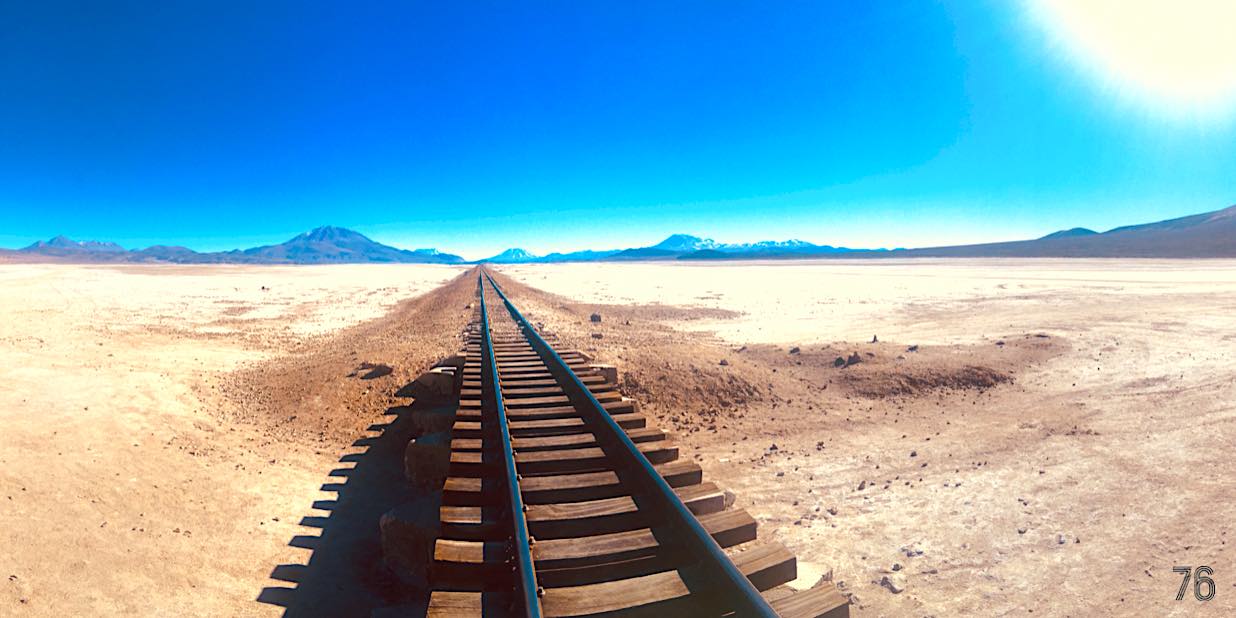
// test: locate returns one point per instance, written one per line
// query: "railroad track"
(561, 499)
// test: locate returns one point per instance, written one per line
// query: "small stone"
(1021, 531)
(893, 583)
(724, 363)
(794, 350)
(913, 348)
(854, 359)
(862, 485)
(896, 566)
(595, 318)
(914, 453)
(875, 339)
(840, 362)
(597, 335)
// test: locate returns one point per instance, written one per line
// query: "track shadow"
(345, 575)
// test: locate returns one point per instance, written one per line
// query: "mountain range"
(1205, 235)
(323, 245)
(685, 247)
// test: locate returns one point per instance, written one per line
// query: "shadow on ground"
(345, 575)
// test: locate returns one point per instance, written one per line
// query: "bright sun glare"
(1179, 55)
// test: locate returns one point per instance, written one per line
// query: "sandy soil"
(181, 441)
(129, 483)
(1059, 441)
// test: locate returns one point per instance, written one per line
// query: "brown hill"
(1208, 235)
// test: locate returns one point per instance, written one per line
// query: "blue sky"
(571, 125)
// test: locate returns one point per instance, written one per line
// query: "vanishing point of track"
(561, 499)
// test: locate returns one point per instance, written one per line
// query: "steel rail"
(743, 597)
(526, 583)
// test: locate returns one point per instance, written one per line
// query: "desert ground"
(1045, 437)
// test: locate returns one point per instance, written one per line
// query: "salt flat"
(929, 300)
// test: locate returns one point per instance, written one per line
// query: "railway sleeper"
(471, 491)
(575, 519)
(549, 443)
(657, 594)
(536, 463)
(461, 565)
(546, 427)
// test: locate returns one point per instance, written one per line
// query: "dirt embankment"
(329, 389)
(691, 381)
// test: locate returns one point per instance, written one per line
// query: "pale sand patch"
(121, 493)
(927, 300)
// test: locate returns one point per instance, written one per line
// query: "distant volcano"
(331, 244)
(62, 245)
(511, 256)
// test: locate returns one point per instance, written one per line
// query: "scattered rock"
(840, 362)
(893, 583)
(597, 335)
(376, 371)
(914, 453)
(794, 350)
(724, 363)
(1000, 343)
(1021, 531)
(896, 566)
(1060, 540)
(595, 318)
(854, 359)
(913, 348)
(875, 339)
(435, 385)
(862, 485)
